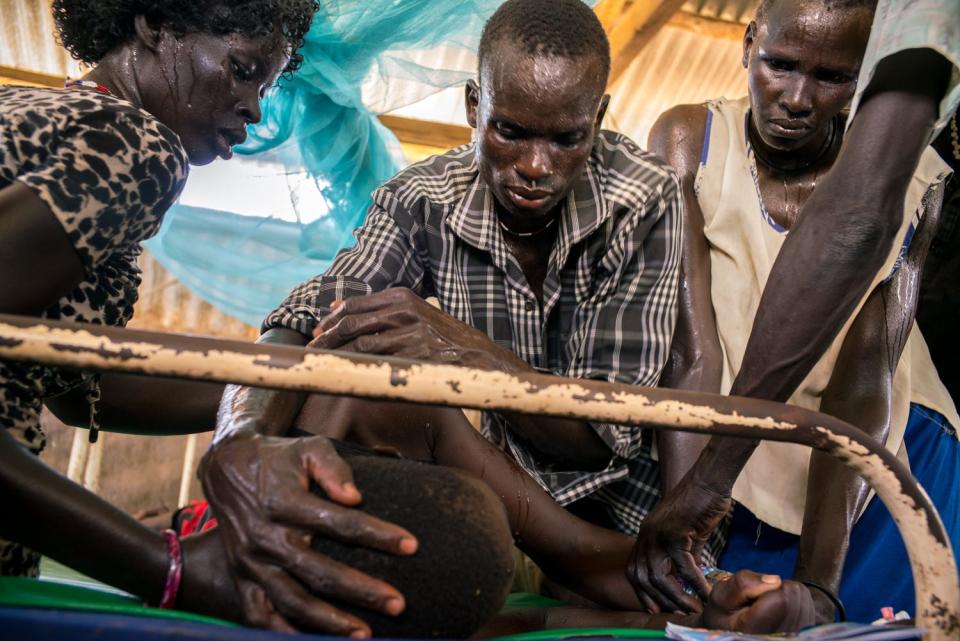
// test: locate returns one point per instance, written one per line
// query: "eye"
(835, 77)
(240, 71)
(569, 140)
(779, 64)
(506, 131)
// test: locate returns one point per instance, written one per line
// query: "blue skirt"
(877, 571)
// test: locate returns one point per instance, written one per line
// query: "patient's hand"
(758, 603)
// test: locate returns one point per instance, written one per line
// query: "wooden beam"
(609, 11)
(635, 29)
(420, 138)
(426, 133)
(424, 137)
(23, 76)
(708, 27)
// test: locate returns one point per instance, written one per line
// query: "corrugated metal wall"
(27, 39)
(731, 10)
(677, 67)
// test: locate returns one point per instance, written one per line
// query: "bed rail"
(97, 348)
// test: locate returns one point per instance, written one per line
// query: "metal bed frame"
(84, 346)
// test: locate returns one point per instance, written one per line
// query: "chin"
(200, 158)
(783, 145)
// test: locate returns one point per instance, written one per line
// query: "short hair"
(89, 29)
(870, 5)
(463, 568)
(564, 28)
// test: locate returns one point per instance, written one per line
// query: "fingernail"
(350, 488)
(771, 579)
(335, 304)
(393, 606)
(408, 545)
(359, 634)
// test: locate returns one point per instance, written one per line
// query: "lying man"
(459, 577)
(551, 245)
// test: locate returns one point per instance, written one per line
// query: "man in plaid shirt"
(550, 244)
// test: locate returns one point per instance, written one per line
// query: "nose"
(797, 97)
(248, 108)
(534, 165)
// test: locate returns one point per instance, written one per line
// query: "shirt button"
(529, 306)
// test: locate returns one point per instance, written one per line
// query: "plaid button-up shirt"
(609, 297)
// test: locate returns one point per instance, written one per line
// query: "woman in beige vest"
(746, 167)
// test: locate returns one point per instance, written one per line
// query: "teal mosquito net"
(249, 230)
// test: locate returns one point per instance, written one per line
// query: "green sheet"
(63, 589)
(31, 593)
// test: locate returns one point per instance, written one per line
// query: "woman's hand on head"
(259, 489)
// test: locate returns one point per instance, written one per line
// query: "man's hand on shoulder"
(258, 487)
(397, 322)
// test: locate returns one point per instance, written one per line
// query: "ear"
(146, 33)
(749, 37)
(602, 110)
(472, 102)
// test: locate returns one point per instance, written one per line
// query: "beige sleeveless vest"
(743, 246)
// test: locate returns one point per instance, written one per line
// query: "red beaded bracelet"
(175, 571)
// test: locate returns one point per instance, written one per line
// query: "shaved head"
(548, 28)
(870, 5)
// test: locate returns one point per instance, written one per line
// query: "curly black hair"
(89, 29)
(463, 568)
(563, 28)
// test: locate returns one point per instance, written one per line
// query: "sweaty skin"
(38, 266)
(790, 76)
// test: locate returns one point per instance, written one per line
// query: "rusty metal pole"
(190, 357)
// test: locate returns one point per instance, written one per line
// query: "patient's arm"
(748, 602)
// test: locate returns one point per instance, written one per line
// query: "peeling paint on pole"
(90, 347)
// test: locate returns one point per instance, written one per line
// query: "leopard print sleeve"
(108, 172)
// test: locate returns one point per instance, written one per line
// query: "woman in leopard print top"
(86, 174)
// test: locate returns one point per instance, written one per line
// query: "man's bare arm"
(845, 232)
(860, 392)
(696, 358)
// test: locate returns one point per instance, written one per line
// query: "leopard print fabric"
(108, 171)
